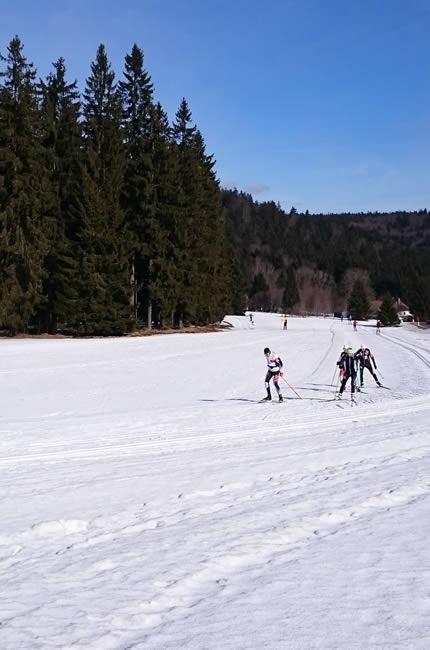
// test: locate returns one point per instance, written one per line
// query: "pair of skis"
(275, 401)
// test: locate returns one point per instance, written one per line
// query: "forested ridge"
(310, 262)
(112, 217)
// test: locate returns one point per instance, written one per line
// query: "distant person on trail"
(365, 358)
(378, 327)
(285, 323)
(349, 372)
(354, 322)
(274, 371)
(251, 319)
(341, 318)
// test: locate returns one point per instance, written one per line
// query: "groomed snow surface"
(147, 500)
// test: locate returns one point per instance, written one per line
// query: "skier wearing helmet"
(365, 358)
(341, 361)
(349, 372)
(274, 371)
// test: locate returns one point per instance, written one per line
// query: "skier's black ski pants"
(370, 369)
(275, 376)
(346, 376)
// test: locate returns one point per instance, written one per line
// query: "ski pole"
(334, 374)
(379, 373)
(294, 391)
(337, 383)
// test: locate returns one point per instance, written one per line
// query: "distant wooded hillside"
(309, 263)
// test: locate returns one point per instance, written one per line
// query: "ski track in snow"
(147, 501)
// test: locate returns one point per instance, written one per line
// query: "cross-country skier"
(354, 323)
(251, 319)
(274, 371)
(285, 323)
(349, 372)
(365, 358)
(341, 361)
(378, 327)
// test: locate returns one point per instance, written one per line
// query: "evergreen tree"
(387, 312)
(200, 232)
(291, 293)
(211, 291)
(25, 196)
(416, 287)
(187, 226)
(166, 255)
(259, 294)
(358, 303)
(105, 249)
(235, 283)
(61, 133)
(138, 195)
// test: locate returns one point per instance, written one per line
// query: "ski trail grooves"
(135, 516)
(409, 347)
(401, 407)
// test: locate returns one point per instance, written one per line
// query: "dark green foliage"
(235, 283)
(199, 231)
(358, 303)
(259, 284)
(165, 267)
(61, 139)
(291, 293)
(25, 194)
(259, 296)
(261, 233)
(104, 287)
(387, 313)
(110, 217)
(138, 198)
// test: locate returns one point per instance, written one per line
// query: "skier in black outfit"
(349, 372)
(341, 362)
(365, 358)
(274, 368)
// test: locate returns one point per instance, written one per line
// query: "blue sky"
(321, 104)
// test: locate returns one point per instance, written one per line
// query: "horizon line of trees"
(291, 259)
(110, 216)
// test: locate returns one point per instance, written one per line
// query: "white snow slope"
(148, 501)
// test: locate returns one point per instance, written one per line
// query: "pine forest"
(112, 218)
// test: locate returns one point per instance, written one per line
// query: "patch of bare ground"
(193, 329)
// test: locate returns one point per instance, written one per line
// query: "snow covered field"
(148, 501)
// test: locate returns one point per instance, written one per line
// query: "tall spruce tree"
(212, 296)
(200, 231)
(291, 293)
(61, 133)
(25, 194)
(136, 92)
(235, 283)
(188, 198)
(358, 303)
(166, 255)
(387, 312)
(105, 248)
